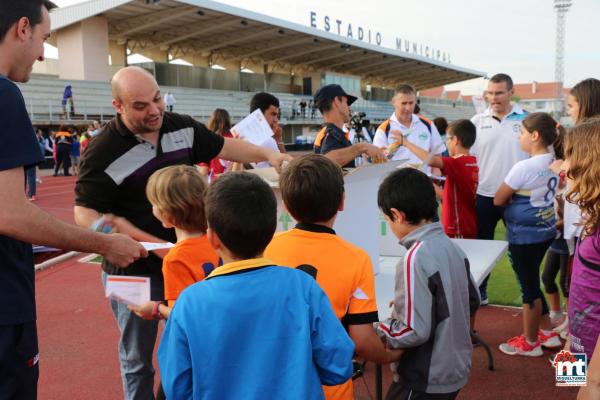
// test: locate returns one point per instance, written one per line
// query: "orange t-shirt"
(344, 272)
(190, 261)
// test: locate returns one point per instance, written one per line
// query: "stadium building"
(230, 53)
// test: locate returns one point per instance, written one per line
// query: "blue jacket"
(252, 330)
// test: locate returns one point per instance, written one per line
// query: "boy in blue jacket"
(251, 329)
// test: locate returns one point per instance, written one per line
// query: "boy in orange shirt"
(177, 197)
(312, 189)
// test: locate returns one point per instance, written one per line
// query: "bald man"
(141, 139)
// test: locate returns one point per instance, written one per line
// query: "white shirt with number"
(530, 216)
(497, 147)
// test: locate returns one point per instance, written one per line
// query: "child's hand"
(394, 355)
(144, 311)
(121, 225)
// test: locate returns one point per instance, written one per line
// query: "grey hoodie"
(434, 297)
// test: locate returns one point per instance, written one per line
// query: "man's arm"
(346, 155)
(244, 152)
(24, 221)
(278, 136)
(85, 217)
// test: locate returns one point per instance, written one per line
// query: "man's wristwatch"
(155, 310)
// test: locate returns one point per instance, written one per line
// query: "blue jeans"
(30, 181)
(136, 346)
(488, 216)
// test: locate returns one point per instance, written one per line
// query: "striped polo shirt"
(117, 164)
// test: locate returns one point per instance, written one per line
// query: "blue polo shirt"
(18, 149)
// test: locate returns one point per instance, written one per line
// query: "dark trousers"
(526, 260)
(398, 392)
(19, 367)
(488, 216)
(63, 157)
(556, 264)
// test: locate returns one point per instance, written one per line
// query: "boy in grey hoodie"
(435, 295)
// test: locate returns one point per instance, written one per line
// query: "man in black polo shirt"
(334, 103)
(24, 26)
(112, 179)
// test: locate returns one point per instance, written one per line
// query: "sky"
(512, 36)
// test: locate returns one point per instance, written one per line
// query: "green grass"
(503, 287)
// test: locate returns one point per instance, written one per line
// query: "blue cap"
(329, 92)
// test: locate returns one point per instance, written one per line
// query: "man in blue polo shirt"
(24, 26)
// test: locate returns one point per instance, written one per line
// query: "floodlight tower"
(561, 7)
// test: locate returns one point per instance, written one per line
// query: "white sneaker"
(549, 339)
(564, 325)
(556, 317)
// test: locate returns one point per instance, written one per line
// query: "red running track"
(78, 335)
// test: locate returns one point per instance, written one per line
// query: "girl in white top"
(528, 192)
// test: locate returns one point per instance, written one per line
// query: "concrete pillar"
(156, 55)
(266, 77)
(118, 53)
(197, 60)
(83, 50)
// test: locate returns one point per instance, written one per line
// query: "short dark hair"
(410, 191)
(263, 101)
(326, 105)
(405, 89)
(312, 188)
(499, 78)
(441, 124)
(241, 209)
(11, 11)
(464, 130)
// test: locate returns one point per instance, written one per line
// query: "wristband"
(155, 311)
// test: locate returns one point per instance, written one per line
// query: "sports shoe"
(564, 325)
(564, 334)
(32, 198)
(484, 301)
(519, 346)
(556, 317)
(549, 339)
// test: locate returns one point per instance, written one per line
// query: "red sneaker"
(519, 346)
(549, 339)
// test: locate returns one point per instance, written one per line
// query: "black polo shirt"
(18, 149)
(335, 139)
(116, 166)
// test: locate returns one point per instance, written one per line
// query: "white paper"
(130, 290)
(254, 128)
(156, 246)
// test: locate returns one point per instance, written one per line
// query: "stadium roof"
(208, 28)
